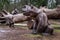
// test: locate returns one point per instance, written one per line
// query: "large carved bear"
(40, 23)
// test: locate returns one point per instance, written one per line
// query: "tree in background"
(51, 4)
(39, 3)
(11, 4)
(48, 3)
(58, 2)
(4, 4)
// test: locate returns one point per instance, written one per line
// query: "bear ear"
(24, 6)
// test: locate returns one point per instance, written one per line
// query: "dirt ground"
(23, 33)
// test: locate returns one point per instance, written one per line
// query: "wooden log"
(53, 13)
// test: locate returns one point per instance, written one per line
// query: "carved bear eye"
(31, 7)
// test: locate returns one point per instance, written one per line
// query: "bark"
(53, 13)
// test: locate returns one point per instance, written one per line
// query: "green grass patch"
(57, 30)
(32, 35)
(22, 27)
(56, 25)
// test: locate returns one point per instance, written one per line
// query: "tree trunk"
(53, 14)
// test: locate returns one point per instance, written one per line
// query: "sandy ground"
(23, 33)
